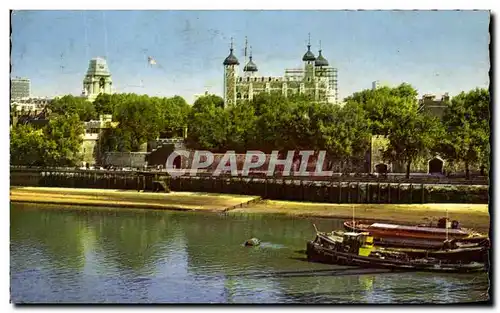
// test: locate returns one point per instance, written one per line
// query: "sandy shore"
(470, 215)
(186, 201)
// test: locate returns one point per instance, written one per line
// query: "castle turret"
(230, 72)
(309, 60)
(320, 60)
(250, 68)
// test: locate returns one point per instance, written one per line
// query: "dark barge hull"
(466, 255)
(317, 253)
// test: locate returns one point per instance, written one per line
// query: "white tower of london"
(316, 78)
(97, 80)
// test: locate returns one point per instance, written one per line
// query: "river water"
(76, 255)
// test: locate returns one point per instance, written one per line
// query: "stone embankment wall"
(125, 159)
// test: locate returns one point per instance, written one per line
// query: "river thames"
(62, 254)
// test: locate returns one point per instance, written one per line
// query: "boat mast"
(353, 223)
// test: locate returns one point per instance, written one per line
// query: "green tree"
(115, 140)
(208, 101)
(411, 135)
(28, 146)
(105, 103)
(383, 105)
(55, 144)
(208, 124)
(70, 104)
(64, 134)
(467, 122)
(274, 113)
(175, 112)
(344, 132)
(242, 123)
(139, 119)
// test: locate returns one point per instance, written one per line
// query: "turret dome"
(250, 67)
(231, 59)
(308, 56)
(320, 60)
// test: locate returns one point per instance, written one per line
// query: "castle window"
(262, 78)
(270, 78)
(238, 95)
(309, 79)
(240, 79)
(246, 96)
(248, 79)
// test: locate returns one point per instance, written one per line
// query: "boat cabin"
(359, 243)
(350, 242)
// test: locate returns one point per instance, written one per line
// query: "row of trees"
(270, 122)
(273, 122)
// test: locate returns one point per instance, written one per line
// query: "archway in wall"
(381, 168)
(178, 162)
(435, 166)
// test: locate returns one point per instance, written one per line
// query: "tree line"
(271, 122)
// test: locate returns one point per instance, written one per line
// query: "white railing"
(170, 140)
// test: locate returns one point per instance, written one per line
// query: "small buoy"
(252, 242)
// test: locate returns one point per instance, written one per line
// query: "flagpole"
(353, 222)
(246, 46)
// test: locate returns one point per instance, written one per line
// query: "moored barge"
(357, 249)
(420, 237)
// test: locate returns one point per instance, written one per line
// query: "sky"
(435, 51)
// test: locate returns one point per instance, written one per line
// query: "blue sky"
(434, 51)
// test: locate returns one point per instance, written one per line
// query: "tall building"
(375, 85)
(97, 80)
(316, 78)
(20, 88)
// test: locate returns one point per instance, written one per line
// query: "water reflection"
(134, 240)
(57, 236)
(129, 256)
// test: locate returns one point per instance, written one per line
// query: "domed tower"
(250, 68)
(230, 72)
(320, 60)
(309, 60)
(324, 72)
(97, 80)
(321, 64)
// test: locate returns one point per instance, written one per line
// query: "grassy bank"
(470, 215)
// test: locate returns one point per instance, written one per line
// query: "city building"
(434, 106)
(316, 79)
(26, 105)
(375, 85)
(97, 80)
(20, 88)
